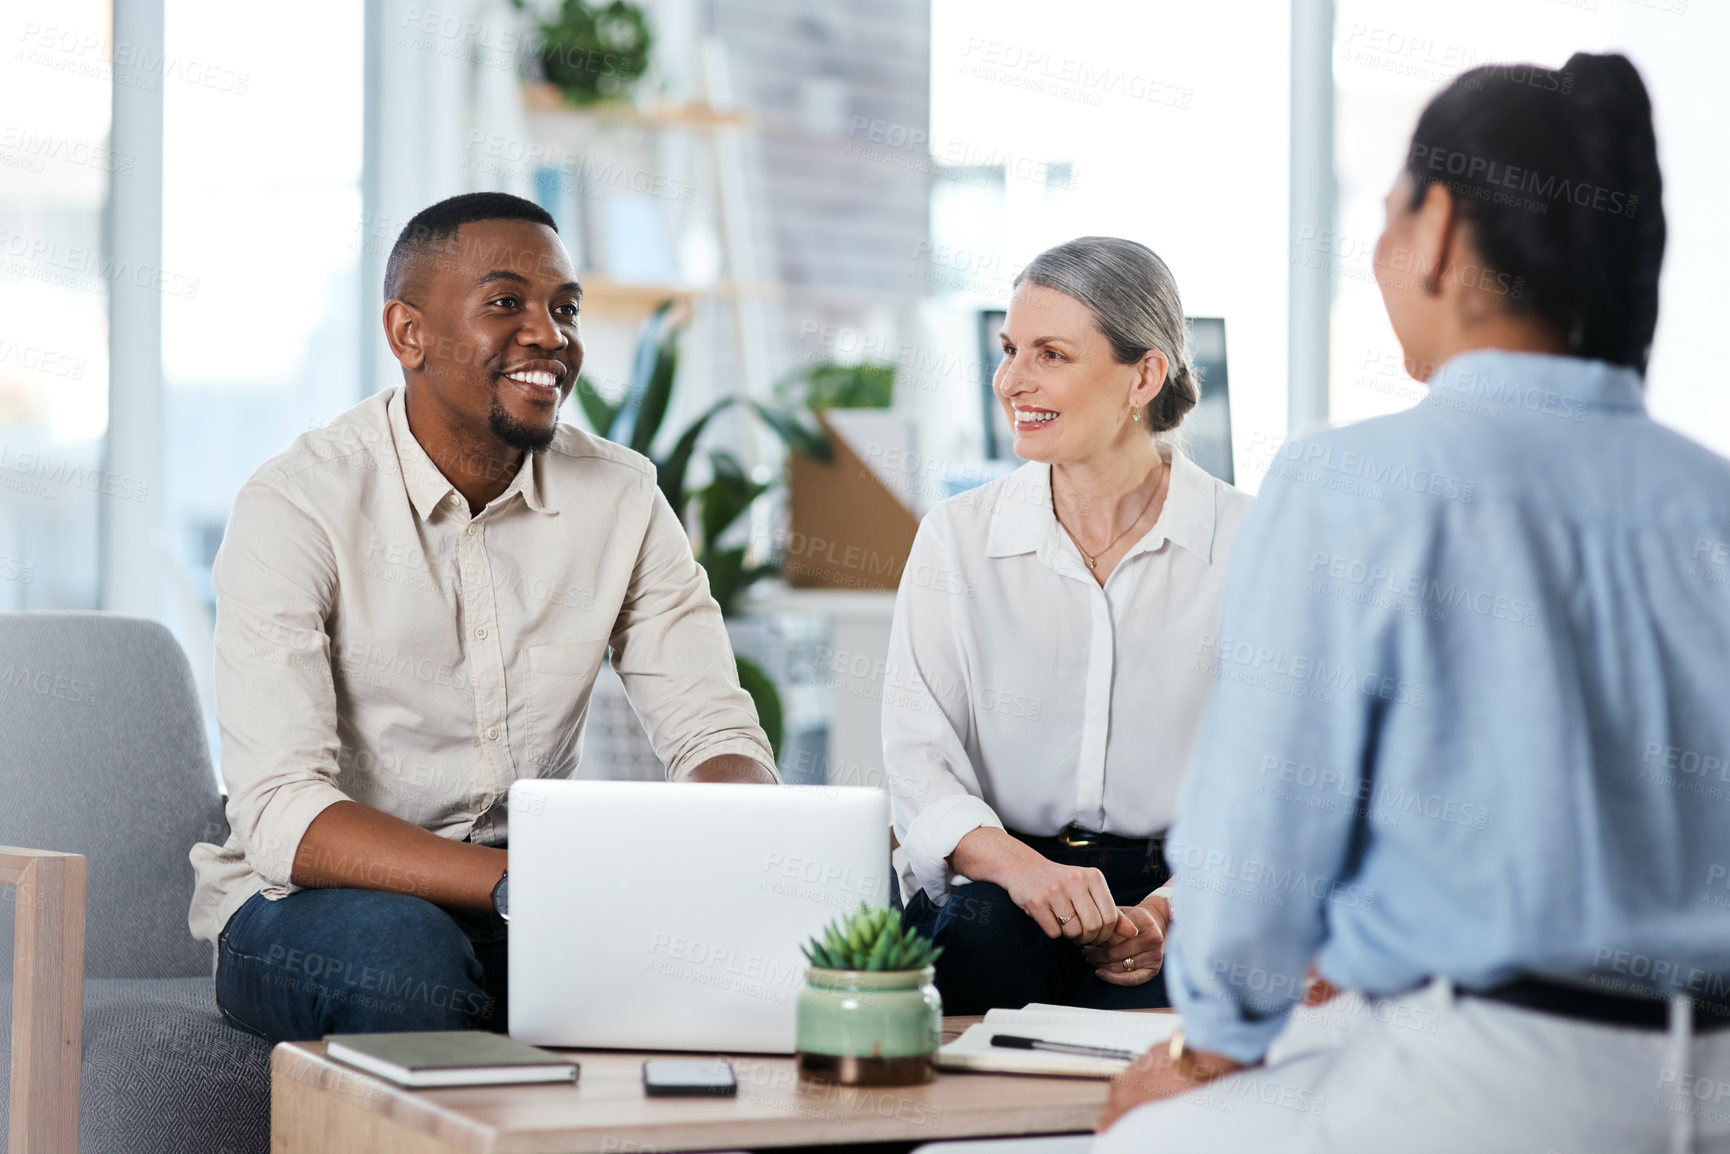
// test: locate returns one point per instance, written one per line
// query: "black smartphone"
(686, 1078)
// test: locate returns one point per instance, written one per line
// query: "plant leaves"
(639, 418)
(658, 394)
(725, 498)
(810, 440)
(756, 682)
(601, 413)
(873, 938)
(671, 470)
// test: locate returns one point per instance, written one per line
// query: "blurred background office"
(197, 198)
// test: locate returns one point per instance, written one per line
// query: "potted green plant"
(635, 421)
(593, 52)
(870, 1014)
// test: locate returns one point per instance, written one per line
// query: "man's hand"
(1145, 948)
(733, 767)
(1153, 1077)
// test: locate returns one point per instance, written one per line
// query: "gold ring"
(1063, 921)
(1128, 964)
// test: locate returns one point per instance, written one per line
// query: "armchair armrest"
(47, 996)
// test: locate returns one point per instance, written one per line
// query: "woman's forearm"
(987, 854)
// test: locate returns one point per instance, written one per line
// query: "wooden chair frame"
(47, 997)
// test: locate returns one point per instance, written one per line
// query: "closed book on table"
(450, 1058)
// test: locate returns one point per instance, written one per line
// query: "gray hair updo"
(1133, 298)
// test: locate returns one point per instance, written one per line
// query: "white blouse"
(1005, 702)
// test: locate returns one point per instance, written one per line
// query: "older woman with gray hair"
(1052, 651)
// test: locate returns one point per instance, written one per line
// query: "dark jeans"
(342, 961)
(996, 955)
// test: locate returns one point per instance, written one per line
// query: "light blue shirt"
(1473, 709)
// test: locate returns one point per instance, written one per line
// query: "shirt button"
(470, 530)
(456, 498)
(481, 633)
(492, 733)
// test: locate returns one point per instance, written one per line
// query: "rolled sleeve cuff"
(742, 746)
(935, 833)
(1214, 1025)
(274, 839)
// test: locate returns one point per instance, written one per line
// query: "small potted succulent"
(870, 1014)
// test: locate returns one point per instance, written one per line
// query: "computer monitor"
(1206, 431)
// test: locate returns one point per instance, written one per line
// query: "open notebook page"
(1134, 1032)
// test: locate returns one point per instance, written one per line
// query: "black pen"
(1015, 1042)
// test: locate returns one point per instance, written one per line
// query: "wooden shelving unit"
(604, 296)
(670, 140)
(542, 100)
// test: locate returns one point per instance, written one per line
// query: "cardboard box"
(849, 530)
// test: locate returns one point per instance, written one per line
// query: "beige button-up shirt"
(376, 643)
(1020, 692)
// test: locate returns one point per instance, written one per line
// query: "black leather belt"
(1643, 1013)
(1073, 836)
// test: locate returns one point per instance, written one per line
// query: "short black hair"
(437, 224)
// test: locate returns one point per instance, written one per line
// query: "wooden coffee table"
(320, 1106)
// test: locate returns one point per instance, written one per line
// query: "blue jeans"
(995, 955)
(345, 961)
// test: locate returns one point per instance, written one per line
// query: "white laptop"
(663, 916)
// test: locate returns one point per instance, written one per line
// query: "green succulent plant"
(871, 939)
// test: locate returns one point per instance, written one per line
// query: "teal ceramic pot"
(869, 1027)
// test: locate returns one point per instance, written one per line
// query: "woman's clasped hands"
(1125, 943)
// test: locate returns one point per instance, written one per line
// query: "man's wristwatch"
(1183, 1059)
(501, 896)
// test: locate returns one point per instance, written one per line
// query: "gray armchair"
(103, 761)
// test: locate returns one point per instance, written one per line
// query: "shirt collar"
(427, 486)
(1539, 382)
(1023, 514)
(1189, 517)
(1024, 522)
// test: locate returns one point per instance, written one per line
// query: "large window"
(55, 165)
(259, 275)
(1391, 56)
(261, 201)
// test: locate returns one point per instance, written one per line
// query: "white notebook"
(1134, 1031)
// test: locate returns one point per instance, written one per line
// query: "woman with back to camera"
(1493, 810)
(1050, 652)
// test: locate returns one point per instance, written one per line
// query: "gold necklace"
(1093, 558)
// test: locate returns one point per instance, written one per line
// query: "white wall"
(1680, 54)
